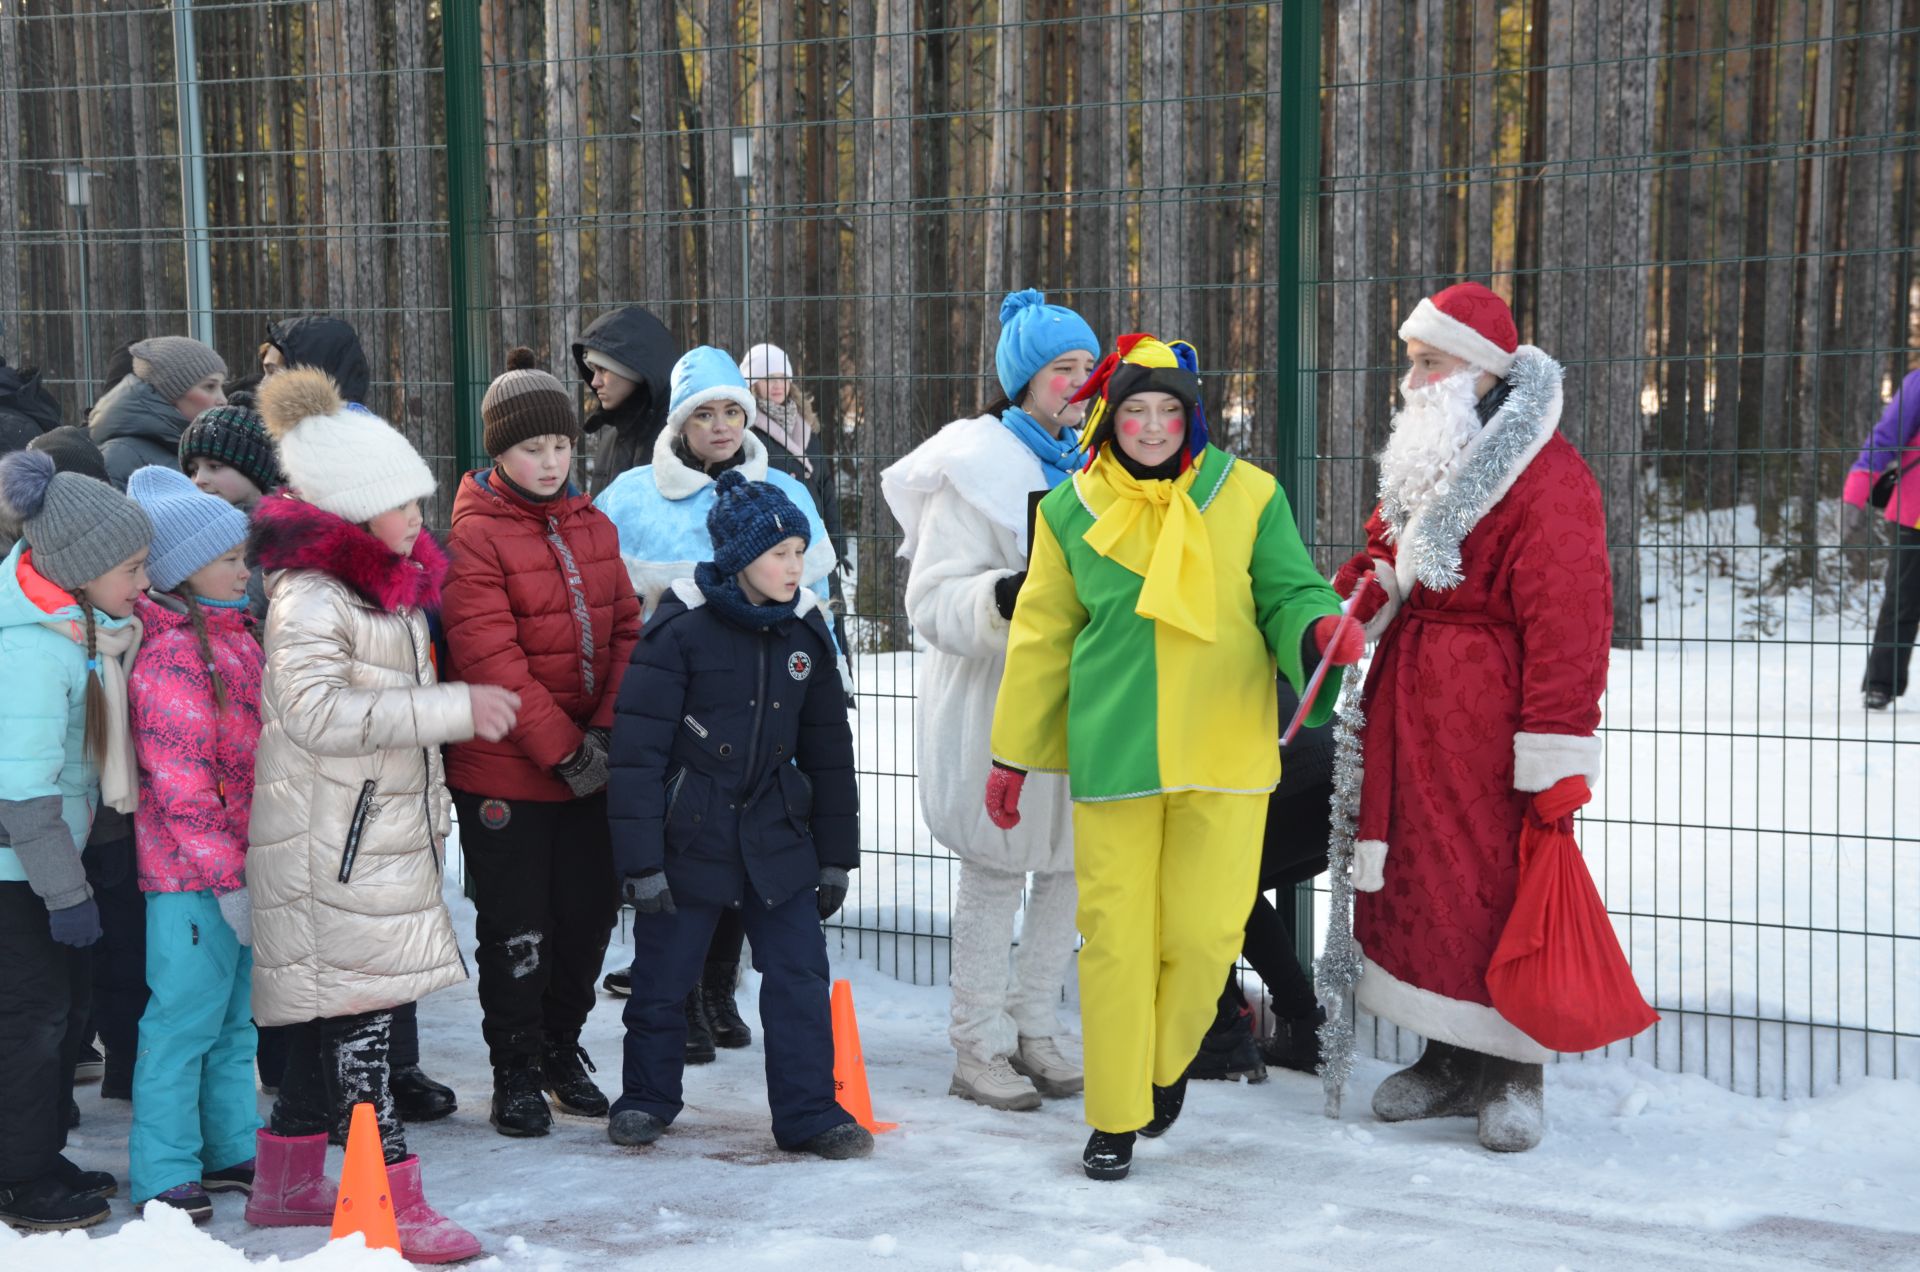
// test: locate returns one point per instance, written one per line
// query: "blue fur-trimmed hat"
(748, 518)
(704, 375)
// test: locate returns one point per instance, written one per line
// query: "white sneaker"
(993, 1084)
(1053, 1074)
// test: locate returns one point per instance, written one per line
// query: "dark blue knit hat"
(748, 518)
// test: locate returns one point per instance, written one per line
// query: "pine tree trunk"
(1165, 302)
(566, 45)
(427, 411)
(662, 197)
(1006, 165)
(1868, 277)
(613, 160)
(13, 297)
(1817, 300)
(1730, 244)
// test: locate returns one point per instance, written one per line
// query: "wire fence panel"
(1704, 211)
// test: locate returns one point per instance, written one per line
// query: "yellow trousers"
(1166, 884)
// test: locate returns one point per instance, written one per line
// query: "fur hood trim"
(289, 534)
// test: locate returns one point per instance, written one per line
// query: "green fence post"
(466, 222)
(1296, 275)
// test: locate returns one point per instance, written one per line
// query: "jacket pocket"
(796, 793)
(355, 829)
(688, 794)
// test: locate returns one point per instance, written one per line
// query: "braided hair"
(198, 616)
(96, 714)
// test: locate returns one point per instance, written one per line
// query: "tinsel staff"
(1338, 970)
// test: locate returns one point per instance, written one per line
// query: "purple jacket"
(196, 765)
(1892, 439)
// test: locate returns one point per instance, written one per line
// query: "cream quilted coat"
(350, 806)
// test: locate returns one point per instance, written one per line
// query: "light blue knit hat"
(190, 527)
(703, 375)
(1034, 333)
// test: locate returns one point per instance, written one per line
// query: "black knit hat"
(73, 451)
(235, 435)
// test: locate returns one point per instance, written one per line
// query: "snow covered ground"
(1640, 1168)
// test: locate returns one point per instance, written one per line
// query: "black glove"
(585, 771)
(605, 737)
(647, 893)
(1006, 591)
(79, 925)
(832, 892)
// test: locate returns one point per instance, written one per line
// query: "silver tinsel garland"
(1338, 969)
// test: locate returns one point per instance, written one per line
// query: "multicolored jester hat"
(1141, 363)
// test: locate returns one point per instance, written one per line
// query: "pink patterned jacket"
(196, 765)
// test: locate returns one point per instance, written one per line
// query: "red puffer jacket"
(538, 602)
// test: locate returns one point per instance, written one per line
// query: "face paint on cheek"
(1060, 386)
(1130, 427)
(1176, 428)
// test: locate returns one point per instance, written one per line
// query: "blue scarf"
(730, 603)
(1059, 456)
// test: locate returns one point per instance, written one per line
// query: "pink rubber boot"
(426, 1235)
(290, 1184)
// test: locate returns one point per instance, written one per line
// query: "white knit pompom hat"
(341, 459)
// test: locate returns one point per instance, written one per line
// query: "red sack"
(1558, 974)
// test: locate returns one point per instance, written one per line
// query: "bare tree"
(1006, 164)
(1165, 304)
(662, 247)
(426, 410)
(566, 41)
(613, 156)
(13, 297)
(721, 320)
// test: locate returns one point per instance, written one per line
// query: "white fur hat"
(766, 362)
(342, 459)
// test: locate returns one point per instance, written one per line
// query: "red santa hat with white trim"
(1468, 321)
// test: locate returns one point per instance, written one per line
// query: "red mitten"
(1555, 806)
(1357, 568)
(1356, 580)
(1340, 640)
(1003, 796)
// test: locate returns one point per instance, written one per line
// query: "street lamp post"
(77, 187)
(743, 173)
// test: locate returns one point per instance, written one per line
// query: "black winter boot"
(417, 1097)
(565, 1066)
(47, 1205)
(1228, 1053)
(1167, 1101)
(1443, 1082)
(1295, 1044)
(1108, 1155)
(519, 1109)
(723, 1013)
(1512, 1105)
(699, 1034)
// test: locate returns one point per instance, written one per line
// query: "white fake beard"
(1430, 433)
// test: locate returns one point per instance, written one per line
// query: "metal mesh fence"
(1703, 210)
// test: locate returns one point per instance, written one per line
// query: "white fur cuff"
(1369, 865)
(1429, 323)
(1541, 759)
(1376, 627)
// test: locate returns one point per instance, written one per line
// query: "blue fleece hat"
(704, 375)
(1034, 333)
(190, 527)
(749, 517)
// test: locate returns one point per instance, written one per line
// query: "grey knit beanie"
(174, 364)
(78, 528)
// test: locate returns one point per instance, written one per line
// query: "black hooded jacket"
(26, 408)
(624, 437)
(326, 344)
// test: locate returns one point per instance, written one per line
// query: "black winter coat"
(26, 409)
(732, 760)
(624, 437)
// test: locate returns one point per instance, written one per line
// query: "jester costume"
(1141, 663)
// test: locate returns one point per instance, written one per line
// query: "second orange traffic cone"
(366, 1199)
(849, 1066)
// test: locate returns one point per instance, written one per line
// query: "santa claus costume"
(1485, 581)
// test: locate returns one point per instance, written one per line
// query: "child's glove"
(585, 771)
(236, 908)
(832, 891)
(647, 893)
(1006, 593)
(1003, 795)
(76, 925)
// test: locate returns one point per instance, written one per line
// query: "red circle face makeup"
(1130, 427)
(1059, 385)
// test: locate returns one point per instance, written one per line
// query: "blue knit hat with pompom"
(748, 518)
(1034, 333)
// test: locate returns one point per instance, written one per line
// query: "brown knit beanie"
(525, 403)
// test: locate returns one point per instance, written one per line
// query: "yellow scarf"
(1154, 529)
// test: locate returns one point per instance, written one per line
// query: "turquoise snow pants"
(194, 1107)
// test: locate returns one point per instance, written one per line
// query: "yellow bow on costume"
(1154, 529)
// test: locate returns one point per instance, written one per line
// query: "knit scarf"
(787, 424)
(1154, 529)
(1058, 456)
(115, 647)
(729, 602)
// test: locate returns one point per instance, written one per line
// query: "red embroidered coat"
(1485, 687)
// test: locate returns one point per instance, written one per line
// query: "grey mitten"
(648, 893)
(585, 771)
(832, 893)
(236, 908)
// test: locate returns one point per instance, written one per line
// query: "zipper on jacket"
(354, 830)
(759, 710)
(195, 927)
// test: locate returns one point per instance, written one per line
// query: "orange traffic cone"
(366, 1200)
(849, 1066)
